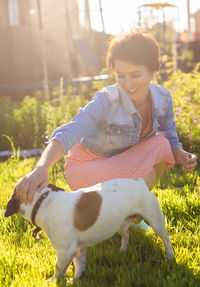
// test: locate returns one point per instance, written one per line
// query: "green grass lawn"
(25, 261)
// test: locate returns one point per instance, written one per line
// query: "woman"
(127, 130)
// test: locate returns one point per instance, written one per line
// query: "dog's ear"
(55, 188)
(13, 205)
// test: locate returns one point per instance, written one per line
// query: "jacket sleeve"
(83, 123)
(168, 126)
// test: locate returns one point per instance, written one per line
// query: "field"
(25, 261)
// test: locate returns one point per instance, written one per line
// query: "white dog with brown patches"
(76, 220)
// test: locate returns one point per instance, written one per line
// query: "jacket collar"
(128, 105)
(126, 102)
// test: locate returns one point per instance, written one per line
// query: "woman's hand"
(37, 179)
(34, 181)
(186, 159)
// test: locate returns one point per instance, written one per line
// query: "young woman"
(127, 130)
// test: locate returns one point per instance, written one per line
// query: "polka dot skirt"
(84, 168)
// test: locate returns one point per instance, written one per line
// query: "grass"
(25, 261)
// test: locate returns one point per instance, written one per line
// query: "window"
(13, 12)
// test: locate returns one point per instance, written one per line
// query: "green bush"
(31, 121)
(6, 120)
(63, 113)
(185, 89)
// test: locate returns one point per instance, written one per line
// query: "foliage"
(187, 60)
(25, 261)
(25, 123)
(167, 38)
(63, 113)
(29, 123)
(16, 153)
(185, 89)
(99, 85)
(32, 122)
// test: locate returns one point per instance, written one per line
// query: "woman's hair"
(135, 47)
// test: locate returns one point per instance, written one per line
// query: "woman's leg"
(152, 177)
(160, 169)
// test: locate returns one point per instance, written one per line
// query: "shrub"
(31, 121)
(6, 120)
(59, 115)
(185, 89)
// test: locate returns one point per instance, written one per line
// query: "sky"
(123, 14)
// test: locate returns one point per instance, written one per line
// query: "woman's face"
(133, 79)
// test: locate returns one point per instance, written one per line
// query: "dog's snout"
(13, 206)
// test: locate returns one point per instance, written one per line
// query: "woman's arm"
(168, 126)
(62, 140)
(83, 123)
(38, 178)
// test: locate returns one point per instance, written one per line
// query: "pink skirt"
(85, 168)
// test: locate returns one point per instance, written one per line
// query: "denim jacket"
(110, 123)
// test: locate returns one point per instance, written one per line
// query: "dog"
(79, 219)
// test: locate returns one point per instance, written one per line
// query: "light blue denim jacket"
(110, 123)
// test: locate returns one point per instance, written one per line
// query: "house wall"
(3, 12)
(197, 21)
(20, 50)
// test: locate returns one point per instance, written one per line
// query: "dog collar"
(35, 210)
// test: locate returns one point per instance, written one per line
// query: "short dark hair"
(135, 47)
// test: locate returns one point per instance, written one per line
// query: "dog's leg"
(79, 262)
(164, 235)
(64, 258)
(123, 231)
(154, 216)
(125, 238)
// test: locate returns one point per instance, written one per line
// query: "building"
(55, 45)
(197, 24)
(190, 41)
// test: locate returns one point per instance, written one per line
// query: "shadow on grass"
(143, 265)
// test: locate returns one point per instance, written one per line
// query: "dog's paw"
(123, 248)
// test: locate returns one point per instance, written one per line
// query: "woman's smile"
(134, 80)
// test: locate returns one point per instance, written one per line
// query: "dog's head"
(13, 205)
